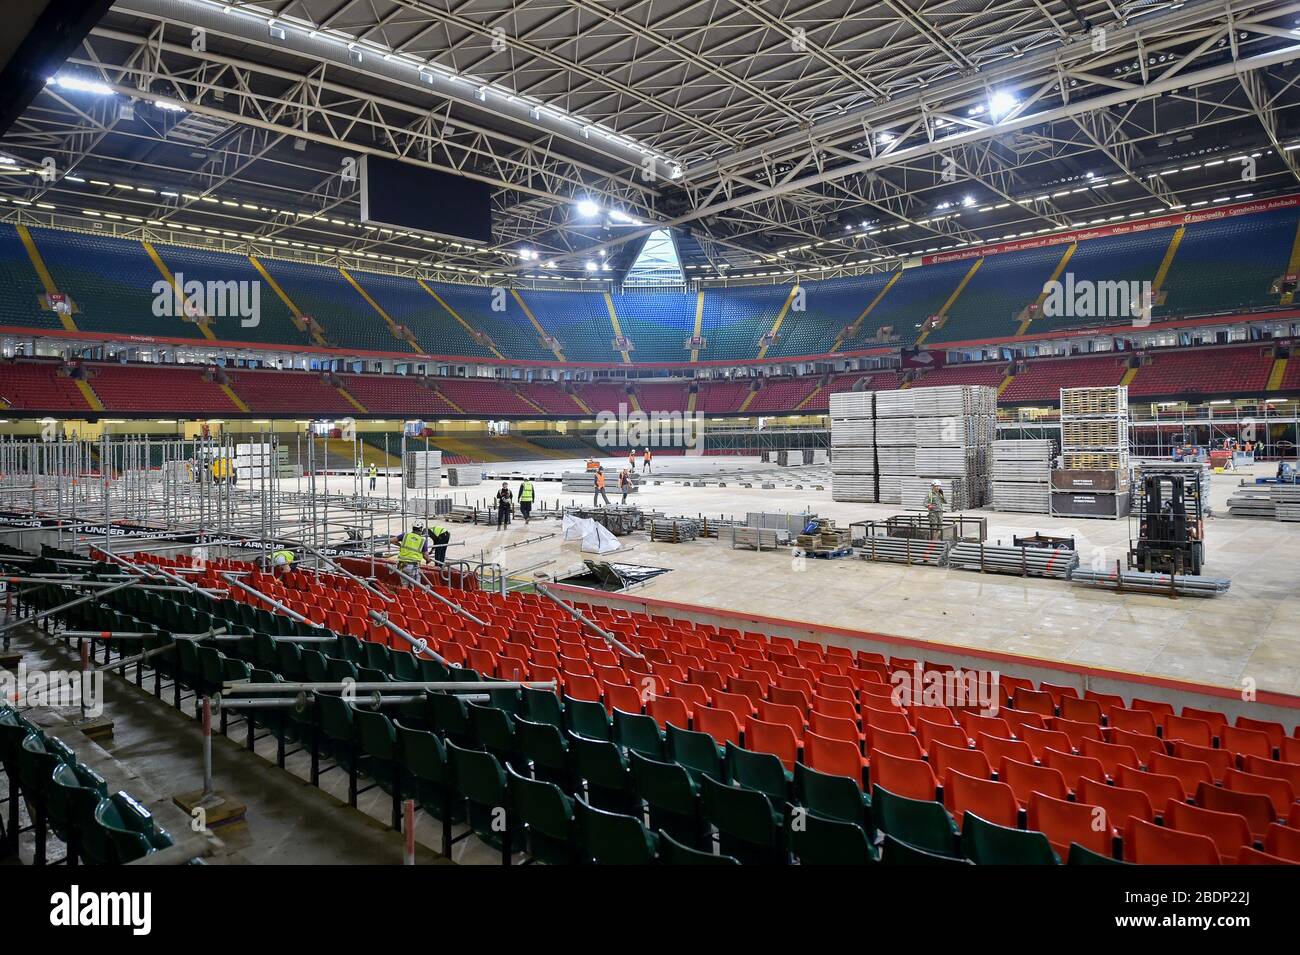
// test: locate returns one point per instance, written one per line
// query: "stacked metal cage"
(1022, 475)
(423, 469)
(1094, 477)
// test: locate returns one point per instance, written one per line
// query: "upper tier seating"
(580, 320)
(20, 286)
(111, 281)
(158, 389)
(1229, 264)
(985, 373)
(395, 394)
(274, 321)
(37, 386)
(1220, 266)
(658, 323)
(996, 294)
(1122, 258)
(280, 392)
(736, 319)
(408, 304)
(325, 295)
(509, 329)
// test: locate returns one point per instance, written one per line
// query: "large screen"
(404, 196)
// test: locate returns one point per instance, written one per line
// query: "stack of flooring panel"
(954, 427)
(1286, 502)
(853, 446)
(465, 475)
(423, 469)
(1021, 475)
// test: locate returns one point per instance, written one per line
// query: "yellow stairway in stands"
(811, 395)
(699, 322)
(439, 392)
(1159, 281)
(857, 322)
(1275, 375)
(943, 312)
(474, 332)
(692, 401)
(47, 280)
(411, 343)
(749, 400)
(238, 401)
(776, 326)
(1129, 376)
(316, 332)
(88, 393)
(1006, 382)
(586, 408)
(616, 326)
(1293, 267)
(1042, 296)
(166, 273)
(528, 313)
(347, 396)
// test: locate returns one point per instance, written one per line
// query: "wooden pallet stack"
(827, 539)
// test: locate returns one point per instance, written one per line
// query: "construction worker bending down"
(600, 488)
(645, 460)
(625, 479)
(282, 561)
(505, 504)
(934, 503)
(526, 499)
(374, 473)
(412, 551)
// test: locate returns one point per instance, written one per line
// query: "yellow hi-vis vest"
(373, 470)
(411, 549)
(526, 493)
(287, 556)
(437, 530)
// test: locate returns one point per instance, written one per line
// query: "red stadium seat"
(1148, 844)
(1117, 802)
(1245, 742)
(945, 758)
(1041, 740)
(1273, 769)
(1025, 779)
(903, 777)
(1190, 730)
(836, 757)
(1256, 807)
(1250, 856)
(1111, 755)
(1279, 791)
(896, 744)
(930, 733)
(998, 749)
(1283, 841)
(1189, 773)
(774, 738)
(1132, 721)
(1228, 830)
(991, 801)
(1073, 767)
(1066, 822)
(1219, 760)
(722, 725)
(1158, 787)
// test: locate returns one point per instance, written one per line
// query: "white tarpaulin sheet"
(595, 538)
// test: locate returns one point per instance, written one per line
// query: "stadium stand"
(722, 397)
(20, 287)
(659, 324)
(712, 686)
(483, 396)
(410, 305)
(990, 304)
(1042, 381)
(580, 320)
(288, 392)
(324, 295)
(158, 389)
(1195, 372)
(396, 395)
(1125, 258)
(38, 386)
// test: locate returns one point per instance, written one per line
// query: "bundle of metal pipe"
(1141, 582)
(1025, 561)
(903, 550)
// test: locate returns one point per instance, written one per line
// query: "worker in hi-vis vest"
(282, 561)
(645, 460)
(526, 499)
(412, 551)
(374, 474)
(600, 489)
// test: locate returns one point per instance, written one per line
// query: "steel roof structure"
(811, 138)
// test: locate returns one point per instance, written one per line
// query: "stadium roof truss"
(814, 137)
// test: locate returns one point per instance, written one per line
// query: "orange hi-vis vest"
(646, 456)
(600, 480)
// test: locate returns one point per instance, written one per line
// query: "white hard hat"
(935, 483)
